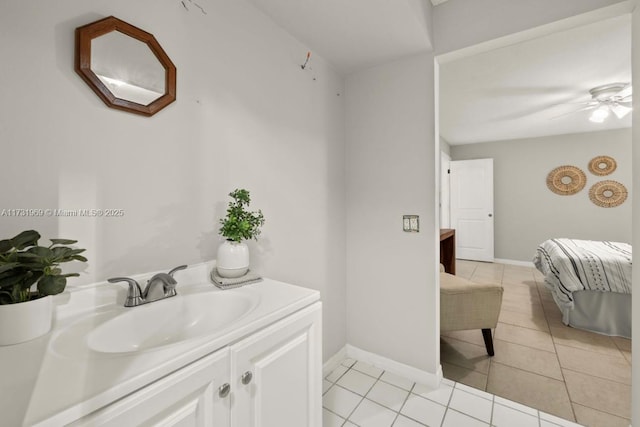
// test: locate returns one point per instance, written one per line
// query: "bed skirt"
(607, 313)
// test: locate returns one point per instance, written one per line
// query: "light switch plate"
(411, 223)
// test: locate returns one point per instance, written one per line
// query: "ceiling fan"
(606, 99)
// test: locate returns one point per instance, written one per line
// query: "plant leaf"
(25, 239)
(5, 246)
(31, 279)
(60, 253)
(14, 279)
(63, 241)
(5, 298)
(52, 285)
(9, 266)
(79, 258)
(20, 295)
(41, 251)
(27, 256)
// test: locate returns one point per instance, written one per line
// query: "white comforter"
(574, 265)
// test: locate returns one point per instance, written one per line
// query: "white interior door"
(472, 208)
(444, 191)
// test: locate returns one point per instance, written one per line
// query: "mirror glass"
(127, 67)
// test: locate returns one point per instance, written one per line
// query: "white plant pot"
(25, 321)
(233, 259)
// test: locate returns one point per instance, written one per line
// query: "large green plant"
(23, 263)
(241, 224)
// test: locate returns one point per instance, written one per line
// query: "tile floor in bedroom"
(540, 362)
(358, 394)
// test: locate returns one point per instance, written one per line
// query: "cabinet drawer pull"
(223, 390)
(246, 377)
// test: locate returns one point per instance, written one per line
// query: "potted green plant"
(238, 225)
(29, 275)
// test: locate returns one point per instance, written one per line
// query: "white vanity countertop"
(46, 385)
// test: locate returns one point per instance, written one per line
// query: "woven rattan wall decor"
(566, 180)
(608, 194)
(602, 165)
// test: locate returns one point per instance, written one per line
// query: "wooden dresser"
(448, 249)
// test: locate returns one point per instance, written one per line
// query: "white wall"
(526, 208)
(445, 146)
(246, 115)
(391, 292)
(635, 342)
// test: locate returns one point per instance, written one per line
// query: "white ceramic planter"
(25, 321)
(233, 259)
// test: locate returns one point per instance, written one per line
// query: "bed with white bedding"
(590, 282)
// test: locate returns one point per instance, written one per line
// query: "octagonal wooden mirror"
(125, 66)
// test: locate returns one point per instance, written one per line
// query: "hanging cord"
(193, 3)
(303, 66)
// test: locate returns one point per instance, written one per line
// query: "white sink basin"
(122, 331)
(169, 321)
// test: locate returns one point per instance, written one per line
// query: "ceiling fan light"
(599, 114)
(620, 110)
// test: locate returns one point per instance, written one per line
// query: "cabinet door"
(188, 397)
(276, 374)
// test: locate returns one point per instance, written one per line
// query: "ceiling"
(518, 91)
(509, 93)
(354, 34)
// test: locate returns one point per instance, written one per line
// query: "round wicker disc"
(566, 180)
(608, 194)
(602, 165)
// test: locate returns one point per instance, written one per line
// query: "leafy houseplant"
(24, 263)
(239, 224)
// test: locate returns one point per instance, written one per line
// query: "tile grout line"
(403, 403)
(595, 376)
(493, 404)
(524, 345)
(555, 348)
(365, 395)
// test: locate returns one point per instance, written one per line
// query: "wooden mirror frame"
(88, 32)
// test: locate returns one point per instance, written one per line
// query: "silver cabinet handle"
(246, 377)
(224, 389)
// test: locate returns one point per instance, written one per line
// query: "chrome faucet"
(160, 286)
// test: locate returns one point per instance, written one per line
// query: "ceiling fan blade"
(625, 92)
(589, 107)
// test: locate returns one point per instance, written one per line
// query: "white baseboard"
(423, 377)
(334, 361)
(514, 262)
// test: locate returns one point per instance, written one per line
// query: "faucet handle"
(178, 268)
(134, 296)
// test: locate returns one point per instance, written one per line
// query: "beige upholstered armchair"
(467, 305)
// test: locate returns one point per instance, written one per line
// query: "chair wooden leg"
(488, 341)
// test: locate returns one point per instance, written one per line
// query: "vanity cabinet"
(276, 374)
(188, 397)
(271, 378)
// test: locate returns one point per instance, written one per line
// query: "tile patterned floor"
(540, 362)
(358, 394)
